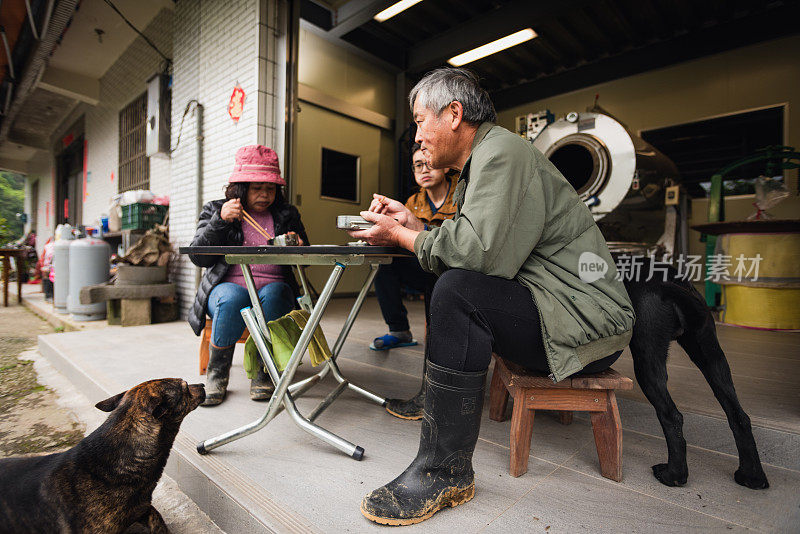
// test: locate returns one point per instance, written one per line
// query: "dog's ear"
(157, 407)
(110, 403)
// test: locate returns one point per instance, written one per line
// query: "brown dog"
(104, 483)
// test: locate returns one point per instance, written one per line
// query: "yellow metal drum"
(769, 298)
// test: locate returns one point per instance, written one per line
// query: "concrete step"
(283, 480)
(218, 487)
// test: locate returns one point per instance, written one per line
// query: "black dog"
(105, 483)
(668, 310)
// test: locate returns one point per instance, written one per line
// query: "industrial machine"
(622, 179)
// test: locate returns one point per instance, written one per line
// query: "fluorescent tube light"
(491, 48)
(394, 9)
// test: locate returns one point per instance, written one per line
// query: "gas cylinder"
(64, 237)
(88, 266)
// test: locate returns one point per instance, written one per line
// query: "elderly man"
(510, 281)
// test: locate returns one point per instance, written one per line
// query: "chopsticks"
(257, 227)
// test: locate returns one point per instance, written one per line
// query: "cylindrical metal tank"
(88, 266)
(613, 170)
(64, 238)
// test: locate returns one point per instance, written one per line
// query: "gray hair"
(437, 89)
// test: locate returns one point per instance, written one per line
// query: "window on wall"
(700, 149)
(134, 167)
(339, 175)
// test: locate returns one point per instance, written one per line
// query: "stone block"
(136, 312)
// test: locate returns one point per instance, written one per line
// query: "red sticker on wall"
(236, 104)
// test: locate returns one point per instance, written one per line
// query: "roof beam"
(71, 84)
(480, 30)
(354, 13)
(31, 141)
(14, 165)
(769, 24)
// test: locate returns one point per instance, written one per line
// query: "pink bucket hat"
(256, 163)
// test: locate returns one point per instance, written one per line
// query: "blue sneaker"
(390, 342)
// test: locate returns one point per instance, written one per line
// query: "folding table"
(339, 257)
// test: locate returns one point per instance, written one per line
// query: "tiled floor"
(320, 488)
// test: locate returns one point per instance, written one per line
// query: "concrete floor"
(282, 479)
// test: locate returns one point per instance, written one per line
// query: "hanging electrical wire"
(143, 36)
(180, 128)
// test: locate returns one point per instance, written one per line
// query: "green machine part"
(777, 159)
(716, 213)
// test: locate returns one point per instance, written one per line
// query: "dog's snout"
(198, 391)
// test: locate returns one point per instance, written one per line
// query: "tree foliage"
(12, 198)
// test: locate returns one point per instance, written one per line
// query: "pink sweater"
(262, 274)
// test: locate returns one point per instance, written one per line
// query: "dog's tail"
(689, 302)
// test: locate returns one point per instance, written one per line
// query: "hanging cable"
(180, 128)
(143, 36)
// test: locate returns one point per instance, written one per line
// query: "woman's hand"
(231, 210)
(397, 211)
(299, 239)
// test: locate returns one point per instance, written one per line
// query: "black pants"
(473, 315)
(388, 282)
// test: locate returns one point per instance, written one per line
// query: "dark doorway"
(69, 184)
(702, 148)
(35, 206)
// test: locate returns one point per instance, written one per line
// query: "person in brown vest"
(432, 204)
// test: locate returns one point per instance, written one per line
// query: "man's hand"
(231, 210)
(386, 232)
(395, 210)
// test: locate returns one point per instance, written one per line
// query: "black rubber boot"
(217, 372)
(261, 387)
(441, 475)
(412, 408)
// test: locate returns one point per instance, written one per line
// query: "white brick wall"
(213, 45)
(216, 46)
(41, 172)
(123, 82)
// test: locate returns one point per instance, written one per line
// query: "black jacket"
(213, 231)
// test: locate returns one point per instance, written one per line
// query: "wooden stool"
(534, 391)
(205, 341)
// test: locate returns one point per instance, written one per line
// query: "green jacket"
(518, 218)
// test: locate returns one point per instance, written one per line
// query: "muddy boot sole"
(213, 399)
(261, 393)
(407, 416)
(451, 497)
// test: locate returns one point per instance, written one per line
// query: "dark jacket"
(213, 231)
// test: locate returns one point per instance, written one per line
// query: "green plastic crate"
(142, 216)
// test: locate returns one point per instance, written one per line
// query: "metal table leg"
(331, 365)
(281, 396)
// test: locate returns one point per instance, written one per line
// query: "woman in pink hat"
(255, 187)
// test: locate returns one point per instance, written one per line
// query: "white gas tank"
(64, 238)
(88, 266)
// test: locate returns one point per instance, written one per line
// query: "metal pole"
(288, 402)
(331, 365)
(8, 52)
(30, 19)
(283, 384)
(47, 15)
(292, 102)
(8, 97)
(251, 289)
(351, 317)
(198, 108)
